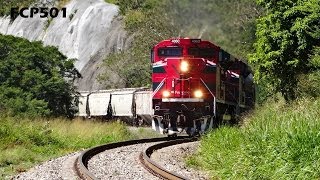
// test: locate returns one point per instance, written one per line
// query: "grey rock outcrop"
(91, 30)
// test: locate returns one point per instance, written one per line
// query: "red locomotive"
(196, 85)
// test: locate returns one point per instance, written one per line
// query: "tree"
(229, 24)
(148, 23)
(287, 36)
(35, 80)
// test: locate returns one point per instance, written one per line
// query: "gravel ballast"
(60, 168)
(172, 159)
(120, 163)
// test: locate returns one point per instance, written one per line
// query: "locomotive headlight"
(184, 66)
(165, 93)
(198, 94)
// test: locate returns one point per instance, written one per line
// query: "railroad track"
(156, 169)
(81, 164)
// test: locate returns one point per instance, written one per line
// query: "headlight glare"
(165, 93)
(184, 66)
(198, 94)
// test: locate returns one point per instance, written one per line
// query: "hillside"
(150, 22)
(96, 29)
(90, 31)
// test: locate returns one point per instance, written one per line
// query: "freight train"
(195, 85)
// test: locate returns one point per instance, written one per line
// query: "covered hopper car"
(131, 104)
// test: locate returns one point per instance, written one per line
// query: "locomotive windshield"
(172, 51)
(201, 52)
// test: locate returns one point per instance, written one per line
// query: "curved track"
(81, 164)
(153, 167)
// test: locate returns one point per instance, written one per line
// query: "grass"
(111, 1)
(142, 132)
(278, 141)
(24, 143)
(62, 3)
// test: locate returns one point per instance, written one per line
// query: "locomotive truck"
(195, 86)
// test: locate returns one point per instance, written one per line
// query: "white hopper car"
(133, 105)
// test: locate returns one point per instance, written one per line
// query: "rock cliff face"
(91, 30)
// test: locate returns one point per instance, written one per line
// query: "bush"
(309, 85)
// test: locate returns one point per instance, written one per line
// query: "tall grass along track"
(82, 163)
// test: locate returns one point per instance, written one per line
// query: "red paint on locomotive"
(193, 80)
(180, 66)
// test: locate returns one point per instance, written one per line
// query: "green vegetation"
(148, 23)
(141, 132)
(281, 38)
(47, 23)
(35, 80)
(287, 37)
(62, 3)
(111, 1)
(229, 24)
(309, 85)
(24, 143)
(278, 141)
(5, 5)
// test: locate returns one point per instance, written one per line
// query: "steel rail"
(81, 164)
(156, 169)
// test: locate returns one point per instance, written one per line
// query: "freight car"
(132, 105)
